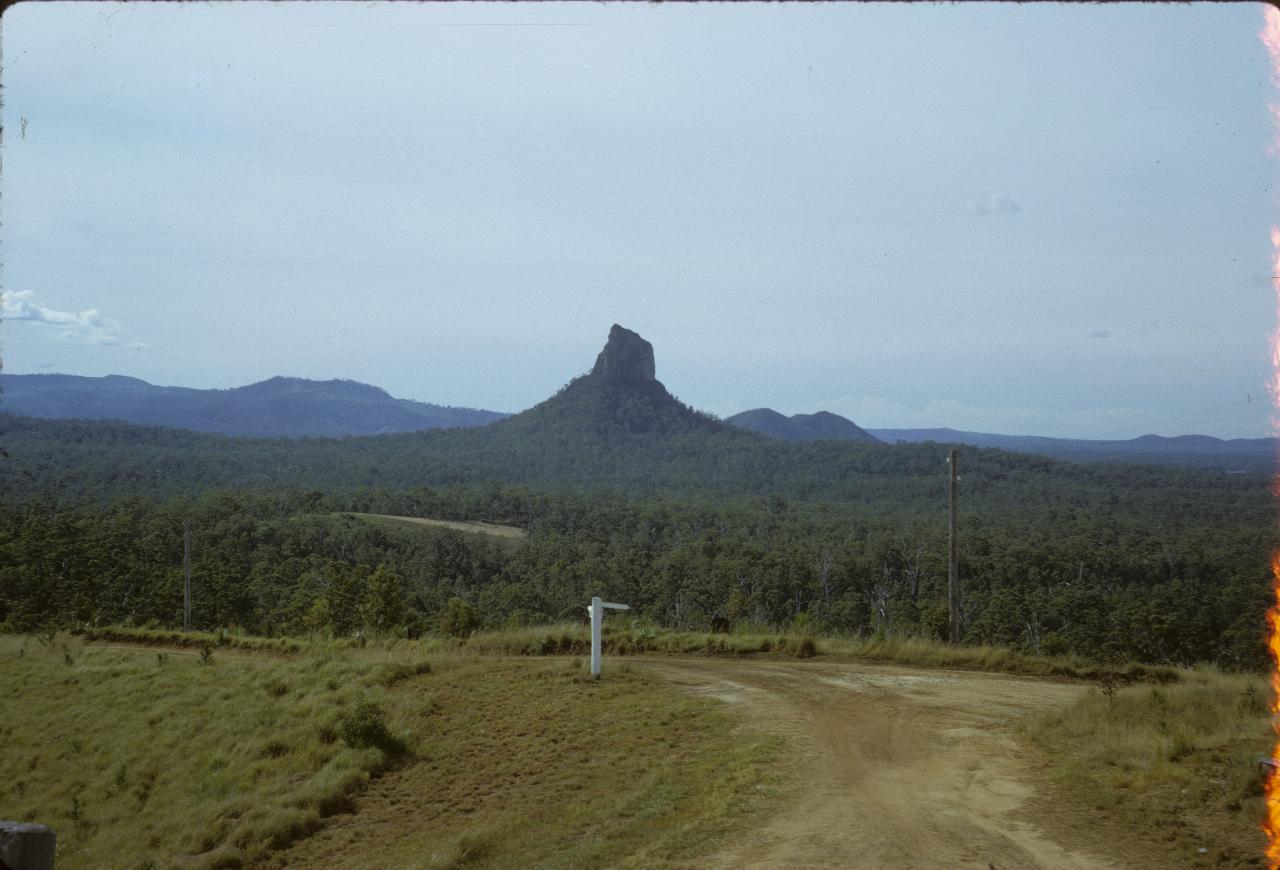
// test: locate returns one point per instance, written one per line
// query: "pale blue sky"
(1029, 219)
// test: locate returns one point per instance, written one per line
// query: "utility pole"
(186, 575)
(953, 567)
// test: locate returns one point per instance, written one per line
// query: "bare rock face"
(626, 359)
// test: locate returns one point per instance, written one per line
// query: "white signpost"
(596, 608)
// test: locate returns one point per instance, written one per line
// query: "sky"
(1016, 218)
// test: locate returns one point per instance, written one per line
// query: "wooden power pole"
(953, 568)
(186, 575)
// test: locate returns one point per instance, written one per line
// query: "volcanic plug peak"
(627, 358)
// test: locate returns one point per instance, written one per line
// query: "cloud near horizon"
(992, 203)
(90, 325)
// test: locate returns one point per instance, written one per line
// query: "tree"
(383, 602)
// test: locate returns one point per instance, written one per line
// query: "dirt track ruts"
(890, 766)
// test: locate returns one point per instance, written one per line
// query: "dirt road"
(894, 767)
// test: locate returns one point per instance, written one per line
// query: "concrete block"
(25, 846)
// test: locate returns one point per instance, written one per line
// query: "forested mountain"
(626, 491)
(278, 407)
(822, 426)
(1191, 451)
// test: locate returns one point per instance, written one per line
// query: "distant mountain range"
(1199, 451)
(278, 407)
(620, 390)
(614, 428)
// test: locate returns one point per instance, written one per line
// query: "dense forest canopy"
(628, 493)
(1053, 581)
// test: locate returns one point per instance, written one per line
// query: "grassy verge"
(924, 652)
(160, 637)
(1174, 766)
(624, 637)
(232, 754)
(572, 639)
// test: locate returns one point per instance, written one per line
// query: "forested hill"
(822, 426)
(278, 407)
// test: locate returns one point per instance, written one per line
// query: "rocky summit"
(619, 397)
(626, 359)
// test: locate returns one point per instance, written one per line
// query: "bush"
(459, 619)
(366, 725)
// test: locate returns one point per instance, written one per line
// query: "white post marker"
(596, 608)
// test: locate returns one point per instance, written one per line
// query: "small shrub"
(459, 619)
(366, 725)
(390, 675)
(1251, 702)
(1108, 683)
(206, 653)
(1181, 746)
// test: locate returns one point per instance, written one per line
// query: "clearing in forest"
(475, 527)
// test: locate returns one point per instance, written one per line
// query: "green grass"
(145, 754)
(149, 757)
(161, 637)
(1173, 765)
(623, 636)
(925, 652)
(543, 767)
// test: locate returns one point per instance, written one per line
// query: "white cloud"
(992, 203)
(90, 326)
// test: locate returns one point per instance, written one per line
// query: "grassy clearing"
(225, 755)
(494, 530)
(1172, 765)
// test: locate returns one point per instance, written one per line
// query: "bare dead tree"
(910, 552)
(880, 594)
(822, 564)
(1035, 631)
